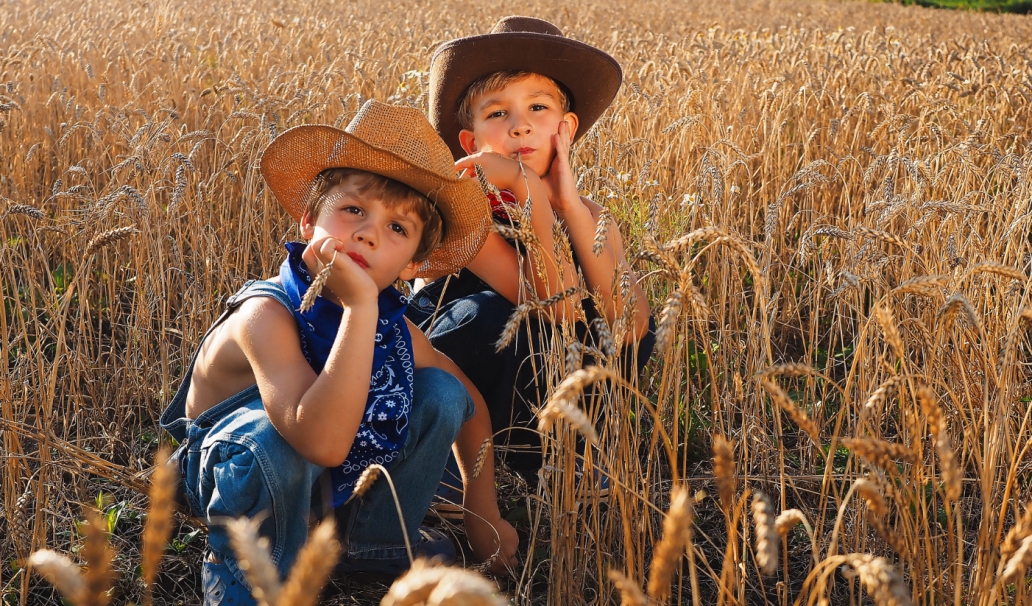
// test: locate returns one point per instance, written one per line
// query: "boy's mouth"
(357, 258)
(523, 151)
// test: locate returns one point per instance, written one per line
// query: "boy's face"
(520, 119)
(380, 239)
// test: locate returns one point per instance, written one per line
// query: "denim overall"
(233, 463)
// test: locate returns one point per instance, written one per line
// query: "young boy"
(524, 93)
(275, 397)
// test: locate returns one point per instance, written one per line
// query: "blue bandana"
(384, 427)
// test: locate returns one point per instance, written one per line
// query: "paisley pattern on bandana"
(384, 425)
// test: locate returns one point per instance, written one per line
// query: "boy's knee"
(443, 397)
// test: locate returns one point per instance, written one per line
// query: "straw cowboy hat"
(395, 142)
(520, 44)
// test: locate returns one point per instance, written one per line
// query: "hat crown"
(520, 24)
(404, 132)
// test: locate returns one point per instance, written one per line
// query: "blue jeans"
(466, 329)
(234, 463)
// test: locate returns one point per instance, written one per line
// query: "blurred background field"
(829, 205)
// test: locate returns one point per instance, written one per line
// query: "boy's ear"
(573, 121)
(410, 270)
(468, 141)
(307, 226)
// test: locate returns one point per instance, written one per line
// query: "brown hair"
(392, 193)
(498, 81)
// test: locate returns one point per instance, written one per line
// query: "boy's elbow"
(325, 455)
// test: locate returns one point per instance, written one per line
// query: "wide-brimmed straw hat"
(395, 142)
(520, 44)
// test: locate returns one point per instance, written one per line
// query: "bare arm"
(319, 414)
(500, 269)
(483, 521)
(581, 220)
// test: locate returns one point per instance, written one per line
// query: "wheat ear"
(98, 555)
(677, 535)
(766, 534)
(159, 518)
(724, 471)
(253, 557)
(109, 237)
(318, 283)
(62, 573)
(312, 568)
(630, 592)
(428, 585)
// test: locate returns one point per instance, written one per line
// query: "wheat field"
(829, 205)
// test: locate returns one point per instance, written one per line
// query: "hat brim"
(591, 75)
(293, 160)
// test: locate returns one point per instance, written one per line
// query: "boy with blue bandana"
(282, 410)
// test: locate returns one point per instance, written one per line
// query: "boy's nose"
(521, 131)
(365, 235)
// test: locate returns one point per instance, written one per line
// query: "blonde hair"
(392, 193)
(497, 81)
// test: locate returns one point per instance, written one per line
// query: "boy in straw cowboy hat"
(282, 408)
(517, 99)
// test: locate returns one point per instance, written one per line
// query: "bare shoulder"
(260, 329)
(263, 322)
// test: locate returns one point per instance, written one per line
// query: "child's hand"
(483, 539)
(500, 171)
(348, 282)
(560, 183)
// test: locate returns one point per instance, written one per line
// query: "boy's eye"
(354, 210)
(398, 229)
(496, 114)
(538, 107)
